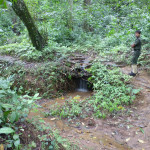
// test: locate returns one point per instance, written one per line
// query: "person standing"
(137, 51)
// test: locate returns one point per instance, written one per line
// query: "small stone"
(127, 139)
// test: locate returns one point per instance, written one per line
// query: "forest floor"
(129, 130)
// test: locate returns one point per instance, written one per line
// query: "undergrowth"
(48, 79)
(111, 89)
(25, 51)
(111, 94)
(13, 109)
(17, 131)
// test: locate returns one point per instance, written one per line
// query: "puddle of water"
(104, 141)
(56, 122)
(82, 90)
(78, 95)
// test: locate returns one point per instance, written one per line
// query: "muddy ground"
(127, 131)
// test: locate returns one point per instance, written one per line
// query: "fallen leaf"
(127, 139)
(76, 97)
(141, 141)
(53, 119)
(142, 130)
(78, 131)
(1, 147)
(94, 137)
(120, 107)
(22, 129)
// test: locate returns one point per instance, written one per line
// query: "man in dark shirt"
(137, 51)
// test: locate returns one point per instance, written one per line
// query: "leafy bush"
(111, 91)
(22, 50)
(71, 109)
(13, 108)
(27, 52)
(6, 94)
(10, 26)
(14, 125)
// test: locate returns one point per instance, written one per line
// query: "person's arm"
(136, 43)
(133, 45)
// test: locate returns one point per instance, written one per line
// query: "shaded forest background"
(104, 26)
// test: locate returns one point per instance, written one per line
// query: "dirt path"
(15, 60)
(139, 119)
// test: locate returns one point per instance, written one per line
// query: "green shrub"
(13, 108)
(111, 91)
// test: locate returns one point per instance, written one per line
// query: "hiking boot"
(132, 74)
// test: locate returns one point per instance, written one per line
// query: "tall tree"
(86, 4)
(23, 13)
(70, 21)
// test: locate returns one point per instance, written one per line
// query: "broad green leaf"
(13, 117)
(36, 95)
(6, 130)
(1, 121)
(136, 91)
(6, 113)
(15, 136)
(7, 106)
(17, 143)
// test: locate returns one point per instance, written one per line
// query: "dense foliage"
(13, 108)
(103, 26)
(16, 130)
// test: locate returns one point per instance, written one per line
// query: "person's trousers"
(136, 55)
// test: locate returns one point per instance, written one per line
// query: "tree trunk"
(86, 26)
(70, 23)
(23, 13)
(86, 3)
